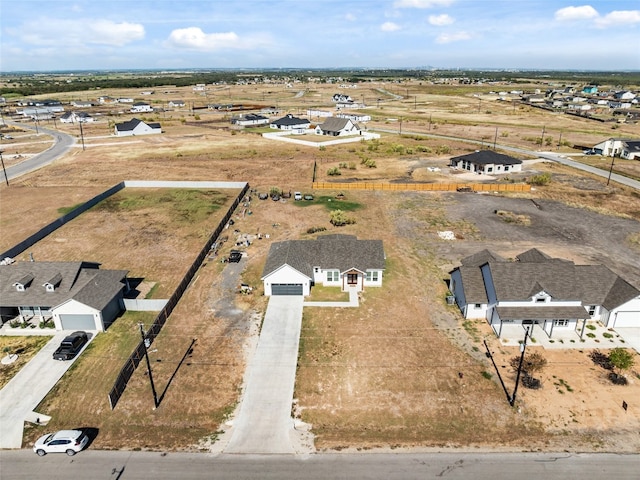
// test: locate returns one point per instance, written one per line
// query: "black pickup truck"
(70, 346)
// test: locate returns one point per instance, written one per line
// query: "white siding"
(286, 274)
(77, 308)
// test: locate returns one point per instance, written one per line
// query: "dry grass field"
(382, 375)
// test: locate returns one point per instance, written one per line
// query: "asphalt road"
(63, 143)
(98, 465)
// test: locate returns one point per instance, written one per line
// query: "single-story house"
(291, 123)
(337, 127)
(136, 127)
(176, 103)
(76, 117)
(487, 161)
(355, 117)
(294, 266)
(250, 120)
(81, 104)
(542, 291)
(622, 147)
(76, 295)
(141, 107)
(125, 100)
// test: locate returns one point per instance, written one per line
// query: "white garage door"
(71, 321)
(627, 319)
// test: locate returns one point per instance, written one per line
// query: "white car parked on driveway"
(64, 441)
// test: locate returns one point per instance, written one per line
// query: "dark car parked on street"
(70, 346)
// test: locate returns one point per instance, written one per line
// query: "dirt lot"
(383, 375)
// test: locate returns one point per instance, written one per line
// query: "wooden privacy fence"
(424, 187)
(138, 354)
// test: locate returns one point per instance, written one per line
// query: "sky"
(38, 35)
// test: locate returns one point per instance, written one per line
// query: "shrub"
(607, 335)
(334, 171)
(339, 218)
(369, 163)
(591, 335)
(591, 327)
(322, 148)
(542, 179)
(343, 165)
(316, 229)
(352, 165)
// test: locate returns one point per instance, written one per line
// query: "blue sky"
(41, 35)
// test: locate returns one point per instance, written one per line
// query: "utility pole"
(81, 134)
(560, 141)
(495, 139)
(542, 138)
(613, 156)
(523, 348)
(146, 356)
(400, 126)
(6, 179)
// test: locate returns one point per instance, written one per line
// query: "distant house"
(590, 89)
(81, 104)
(336, 127)
(291, 123)
(294, 266)
(106, 100)
(75, 295)
(487, 162)
(318, 113)
(543, 292)
(341, 98)
(250, 120)
(136, 127)
(125, 100)
(622, 147)
(624, 95)
(176, 103)
(355, 117)
(141, 107)
(76, 117)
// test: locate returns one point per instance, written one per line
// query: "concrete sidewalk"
(264, 424)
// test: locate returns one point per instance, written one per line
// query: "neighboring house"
(623, 147)
(136, 127)
(318, 113)
(591, 89)
(176, 103)
(125, 100)
(337, 127)
(76, 117)
(106, 100)
(76, 295)
(294, 266)
(141, 107)
(624, 95)
(538, 290)
(487, 161)
(291, 123)
(355, 117)
(341, 98)
(81, 104)
(250, 120)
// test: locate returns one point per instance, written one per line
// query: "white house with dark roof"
(250, 120)
(76, 295)
(291, 123)
(337, 127)
(622, 147)
(76, 117)
(141, 107)
(294, 266)
(542, 291)
(136, 127)
(487, 162)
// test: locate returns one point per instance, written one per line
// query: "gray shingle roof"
(132, 124)
(334, 124)
(81, 281)
(541, 313)
(341, 252)
(290, 120)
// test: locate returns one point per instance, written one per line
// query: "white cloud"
(194, 38)
(452, 37)
(440, 20)
(389, 27)
(583, 12)
(619, 17)
(350, 17)
(110, 33)
(422, 3)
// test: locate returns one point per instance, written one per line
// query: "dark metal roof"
(290, 120)
(485, 157)
(341, 252)
(81, 281)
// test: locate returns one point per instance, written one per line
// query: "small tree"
(621, 360)
(533, 363)
(338, 218)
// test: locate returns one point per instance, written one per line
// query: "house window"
(540, 299)
(477, 306)
(333, 275)
(372, 276)
(352, 278)
(591, 310)
(561, 322)
(489, 169)
(506, 168)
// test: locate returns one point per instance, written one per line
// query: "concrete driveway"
(25, 391)
(264, 424)
(631, 337)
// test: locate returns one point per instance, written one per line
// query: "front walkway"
(353, 301)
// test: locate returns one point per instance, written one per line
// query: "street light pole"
(523, 348)
(146, 356)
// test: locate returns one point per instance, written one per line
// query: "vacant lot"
(385, 374)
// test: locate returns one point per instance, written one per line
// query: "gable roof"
(81, 281)
(132, 124)
(334, 124)
(289, 119)
(336, 251)
(484, 157)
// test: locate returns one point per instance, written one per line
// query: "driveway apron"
(264, 423)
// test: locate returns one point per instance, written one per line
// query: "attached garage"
(70, 321)
(626, 319)
(287, 289)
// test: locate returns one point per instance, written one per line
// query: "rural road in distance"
(62, 143)
(120, 465)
